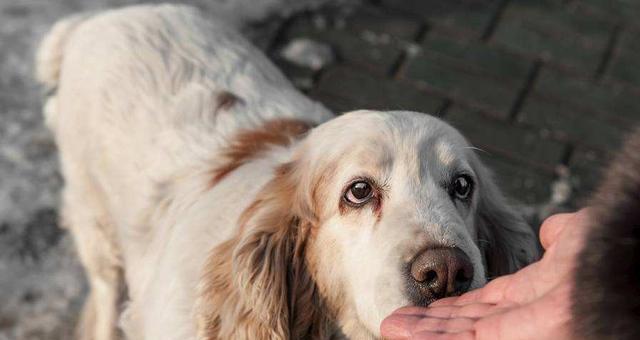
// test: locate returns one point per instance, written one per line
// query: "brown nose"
(442, 272)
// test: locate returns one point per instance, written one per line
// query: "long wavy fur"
(256, 284)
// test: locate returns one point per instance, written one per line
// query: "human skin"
(533, 303)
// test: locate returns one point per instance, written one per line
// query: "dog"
(209, 199)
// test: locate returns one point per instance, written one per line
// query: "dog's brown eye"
(462, 187)
(359, 193)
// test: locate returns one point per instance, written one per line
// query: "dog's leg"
(83, 212)
(95, 241)
(85, 328)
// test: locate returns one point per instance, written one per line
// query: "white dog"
(209, 199)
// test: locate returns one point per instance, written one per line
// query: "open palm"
(533, 303)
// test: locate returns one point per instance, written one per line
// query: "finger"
(398, 326)
(554, 226)
(452, 325)
(493, 292)
(410, 310)
(476, 296)
(544, 318)
(551, 228)
(408, 320)
(449, 301)
(428, 335)
(473, 296)
(474, 310)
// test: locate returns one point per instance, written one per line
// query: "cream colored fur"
(134, 108)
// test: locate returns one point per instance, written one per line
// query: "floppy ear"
(256, 285)
(507, 242)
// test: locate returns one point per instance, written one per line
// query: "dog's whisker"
(483, 241)
(477, 149)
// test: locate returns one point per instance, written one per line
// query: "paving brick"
(575, 109)
(263, 34)
(471, 72)
(349, 46)
(563, 108)
(565, 122)
(624, 63)
(552, 32)
(607, 100)
(494, 61)
(620, 9)
(333, 103)
(372, 19)
(471, 16)
(587, 166)
(359, 90)
(519, 182)
(301, 77)
(499, 137)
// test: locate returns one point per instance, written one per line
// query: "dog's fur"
(606, 298)
(201, 181)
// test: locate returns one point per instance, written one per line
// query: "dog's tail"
(51, 51)
(49, 60)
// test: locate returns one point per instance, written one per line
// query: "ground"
(546, 89)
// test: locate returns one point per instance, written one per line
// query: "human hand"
(533, 303)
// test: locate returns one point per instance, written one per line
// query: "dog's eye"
(359, 193)
(462, 187)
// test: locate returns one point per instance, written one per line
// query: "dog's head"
(374, 211)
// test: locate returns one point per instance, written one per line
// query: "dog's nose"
(442, 272)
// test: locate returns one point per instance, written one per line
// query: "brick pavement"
(540, 85)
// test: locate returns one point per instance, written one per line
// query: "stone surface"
(539, 84)
(470, 72)
(494, 136)
(625, 56)
(554, 33)
(521, 184)
(379, 21)
(470, 16)
(625, 10)
(586, 166)
(364, 91)
(577, 110)
(607, 100)
(376, 55)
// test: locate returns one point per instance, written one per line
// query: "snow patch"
(558, 201)
(308, 53)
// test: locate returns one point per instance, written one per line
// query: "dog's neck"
(254, 143)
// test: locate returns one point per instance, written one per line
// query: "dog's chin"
(355, 330)
(352, 325)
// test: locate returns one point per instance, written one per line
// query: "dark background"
(546, 89)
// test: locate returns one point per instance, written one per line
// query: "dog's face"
(376, 211)
(396, 199)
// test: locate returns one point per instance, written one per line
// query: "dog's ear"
(507, 242)
(256, 285)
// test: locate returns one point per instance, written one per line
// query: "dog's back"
(148, 90)
(138, 98)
